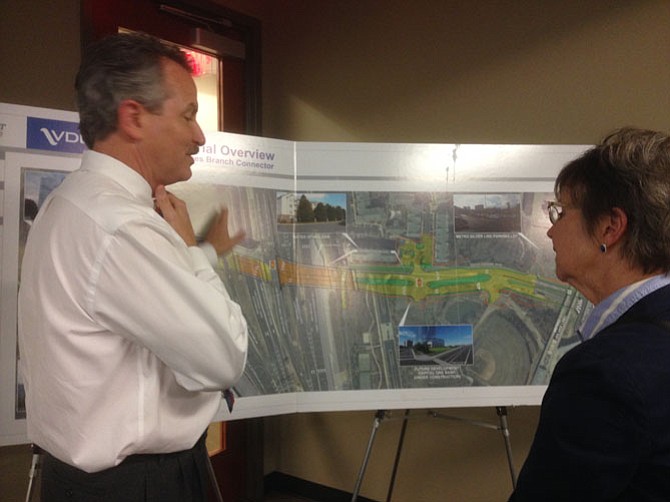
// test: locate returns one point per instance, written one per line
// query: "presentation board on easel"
(373, 276)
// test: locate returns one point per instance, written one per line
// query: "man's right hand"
(219, 237)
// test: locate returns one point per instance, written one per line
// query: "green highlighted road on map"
(415, 276)
(419, 285)
(443, 283)
(385, 281)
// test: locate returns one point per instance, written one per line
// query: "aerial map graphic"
(374, 267)
(388, 290)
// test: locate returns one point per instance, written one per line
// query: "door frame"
(241, 92)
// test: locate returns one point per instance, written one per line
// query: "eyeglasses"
(555, 210)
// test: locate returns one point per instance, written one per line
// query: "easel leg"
(379, 416)
(397, 456)
(212, 479)
(502, 414)
(34, 471)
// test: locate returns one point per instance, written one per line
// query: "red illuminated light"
(200, 63)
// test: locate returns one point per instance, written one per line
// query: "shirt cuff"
(209, 252)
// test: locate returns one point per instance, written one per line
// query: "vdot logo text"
(55, 137)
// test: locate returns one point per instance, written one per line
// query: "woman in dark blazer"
(604, 430)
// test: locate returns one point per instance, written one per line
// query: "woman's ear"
(614, 226)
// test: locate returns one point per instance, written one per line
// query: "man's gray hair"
(119, 67)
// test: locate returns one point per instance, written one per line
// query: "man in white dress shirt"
(127, 334)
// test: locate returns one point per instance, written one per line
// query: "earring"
(603, 248)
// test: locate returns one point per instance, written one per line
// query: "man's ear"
(614, 226)
(129, 116)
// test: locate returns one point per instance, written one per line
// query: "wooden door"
(231, 37)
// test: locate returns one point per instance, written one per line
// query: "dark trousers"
(171, 477)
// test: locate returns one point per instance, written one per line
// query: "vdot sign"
(54, 135)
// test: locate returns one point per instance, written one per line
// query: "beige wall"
(421, 71)
(455, 71)
(39, 52)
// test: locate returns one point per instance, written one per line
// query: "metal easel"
(382, 415)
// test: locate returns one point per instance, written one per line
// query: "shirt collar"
(615, 305)
(121, 173)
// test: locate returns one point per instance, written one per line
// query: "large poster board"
(37, 149)
(379, 276)
(373, 276)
